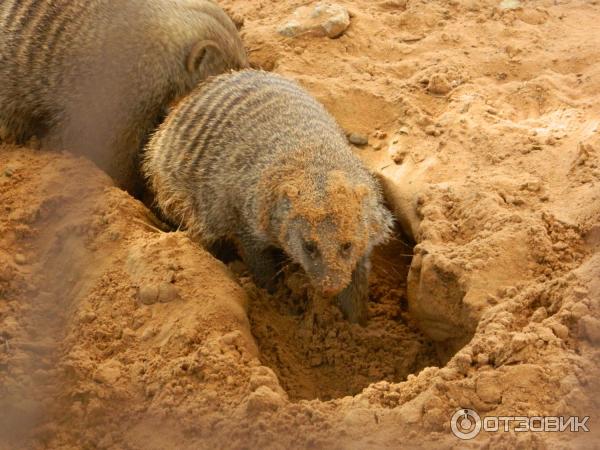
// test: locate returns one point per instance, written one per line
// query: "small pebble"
(321, 19)
(167, 292)
(560, 330)
(510, 4)
(438, 85)
(108, 373)
(358, 139)
(87, 317)
(539, 314)
(400, 156)
(432, 131)
(148, 294)
(20, 259)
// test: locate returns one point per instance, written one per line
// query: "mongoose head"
(329, 225)
(211, 42)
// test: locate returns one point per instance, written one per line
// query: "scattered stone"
(148, 333)
(8, 172)
(546, 334)
(560, 330)
(264, 399)
(108, 373)
(394, 4)
(87, 317)
(358, 139)
(264, 376)
(399, 156)
(322, 19)
(463, 362)
(231, 338)
(167, 292)
(539, 314)
(510, 4)
(148, 294)
(438, 85)
(20, 259)
(432, 131)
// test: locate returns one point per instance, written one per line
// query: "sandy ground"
(484, 126)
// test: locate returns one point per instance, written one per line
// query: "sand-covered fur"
(253, 157)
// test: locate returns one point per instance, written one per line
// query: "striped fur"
(94, 76)
(252, 157)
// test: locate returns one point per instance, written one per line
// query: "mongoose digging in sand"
(95, 76)
(253, 158)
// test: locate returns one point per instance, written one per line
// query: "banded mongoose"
(253, 158)
(95, 76)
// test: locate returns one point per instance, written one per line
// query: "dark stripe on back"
(206, 132)
(46, 19)
(211, 115)
(264, 90)
(264, 93)
(16, 7)
(70, 19)
(18, 31)
(184, 122)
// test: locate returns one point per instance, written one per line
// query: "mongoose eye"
(346, 246)
(311, 248)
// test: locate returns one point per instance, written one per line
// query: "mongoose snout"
(325, 232)
(253, 158)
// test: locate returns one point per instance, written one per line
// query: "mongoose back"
(252, 157)
(95, 76)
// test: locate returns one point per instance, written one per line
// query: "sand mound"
(482, 122)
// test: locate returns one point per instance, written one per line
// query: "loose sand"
(484, 126)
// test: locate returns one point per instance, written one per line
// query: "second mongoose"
(96, 76)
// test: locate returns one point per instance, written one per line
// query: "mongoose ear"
(289, 190)
(198, 53)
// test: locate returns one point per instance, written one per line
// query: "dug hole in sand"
(484, 131)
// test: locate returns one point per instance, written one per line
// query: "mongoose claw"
(352, 301)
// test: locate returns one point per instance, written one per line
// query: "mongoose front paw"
(352, 301)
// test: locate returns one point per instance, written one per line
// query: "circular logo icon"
(465, 424)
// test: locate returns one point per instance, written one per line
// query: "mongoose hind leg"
(353, 299)
(263, 261)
